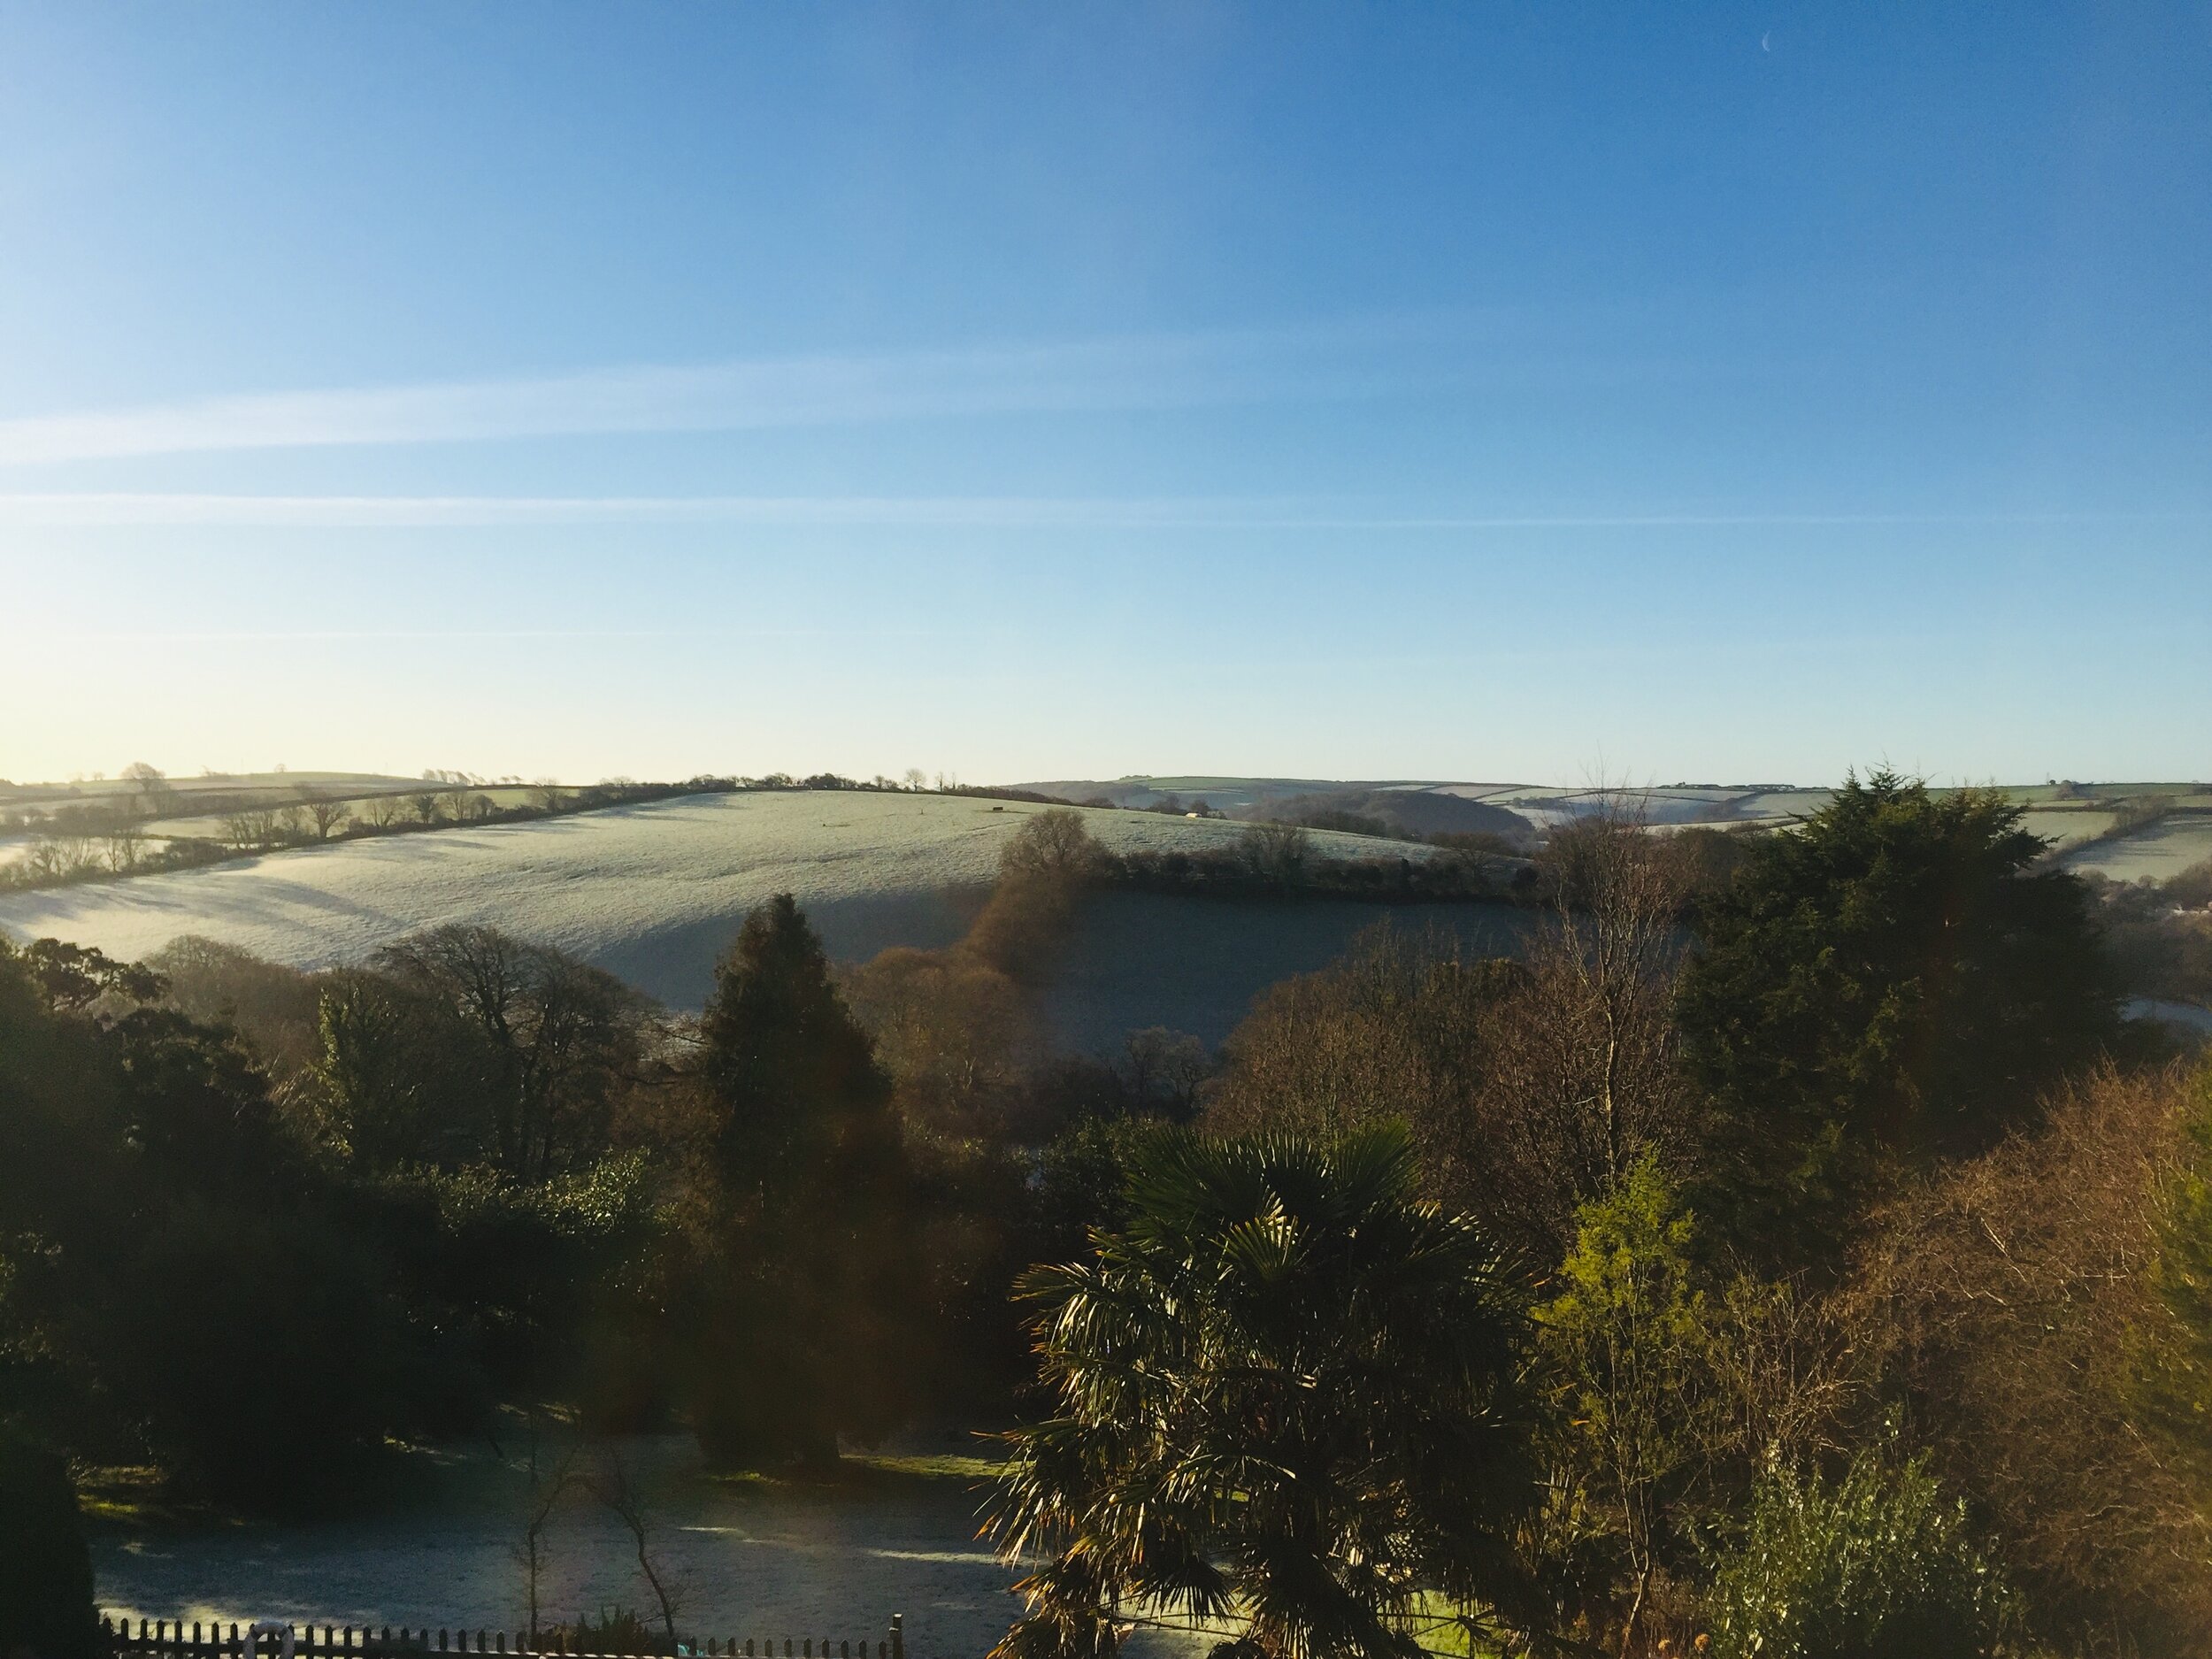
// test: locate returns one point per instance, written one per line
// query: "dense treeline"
(1793, 1244)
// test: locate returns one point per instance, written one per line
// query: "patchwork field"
(652, 893)
(2065, 811)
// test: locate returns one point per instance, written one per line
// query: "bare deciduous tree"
(546, 1492)
(126, 841)
(953, 1031)
(562, 1035)
(1277, 853)
(325, 813)
(611, 1483)
(62, 855)
(1054, 842)
(1165, 1065)
(1582, 1075)
(253, 828)
(151, 793)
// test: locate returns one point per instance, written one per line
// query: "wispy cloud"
(96, 508)
(92, 508)
(1154, 371)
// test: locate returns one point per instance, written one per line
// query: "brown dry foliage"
(1392, 1032)
(2013, 1301)
(954, 1032)
(957, 1028)
(275, 1008)
(1530, 1086)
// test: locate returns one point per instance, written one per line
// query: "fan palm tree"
(1286, 1397)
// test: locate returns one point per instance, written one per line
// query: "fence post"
(898, 1636)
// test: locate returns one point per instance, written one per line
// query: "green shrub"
(1876, 1566)
(45, 1570)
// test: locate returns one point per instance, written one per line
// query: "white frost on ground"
(747, 1560)
(2159, 852)
(653, 893)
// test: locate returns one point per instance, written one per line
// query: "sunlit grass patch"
(134, 1494)
(868, 1471)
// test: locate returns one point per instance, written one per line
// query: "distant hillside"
(1402, 811)
(1399, 808)
(655, 893)
(2127, 831)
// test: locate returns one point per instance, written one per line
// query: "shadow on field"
(676, 965)
(1191, 964)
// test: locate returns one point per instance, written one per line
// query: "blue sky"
(1704, 392)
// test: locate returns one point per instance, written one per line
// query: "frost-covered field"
(2065, 826)
(652, 893)
(2159, 852)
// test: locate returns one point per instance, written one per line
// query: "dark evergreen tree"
(813, 1274)
(1890, 985)
(795, 1075)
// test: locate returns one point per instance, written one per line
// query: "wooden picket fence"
(167, 1638)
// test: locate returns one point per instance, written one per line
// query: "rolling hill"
(2079, 820)
(654, 892)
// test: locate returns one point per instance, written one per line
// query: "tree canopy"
(1891, 984)
(810, 1280)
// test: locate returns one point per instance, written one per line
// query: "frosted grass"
(652, 892)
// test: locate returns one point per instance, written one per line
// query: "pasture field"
(2067, 826)
(651, 892)
(2157, 852)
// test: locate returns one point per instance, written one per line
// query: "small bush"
(2192, 887)
(45, 1571)
(1876, 1566)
